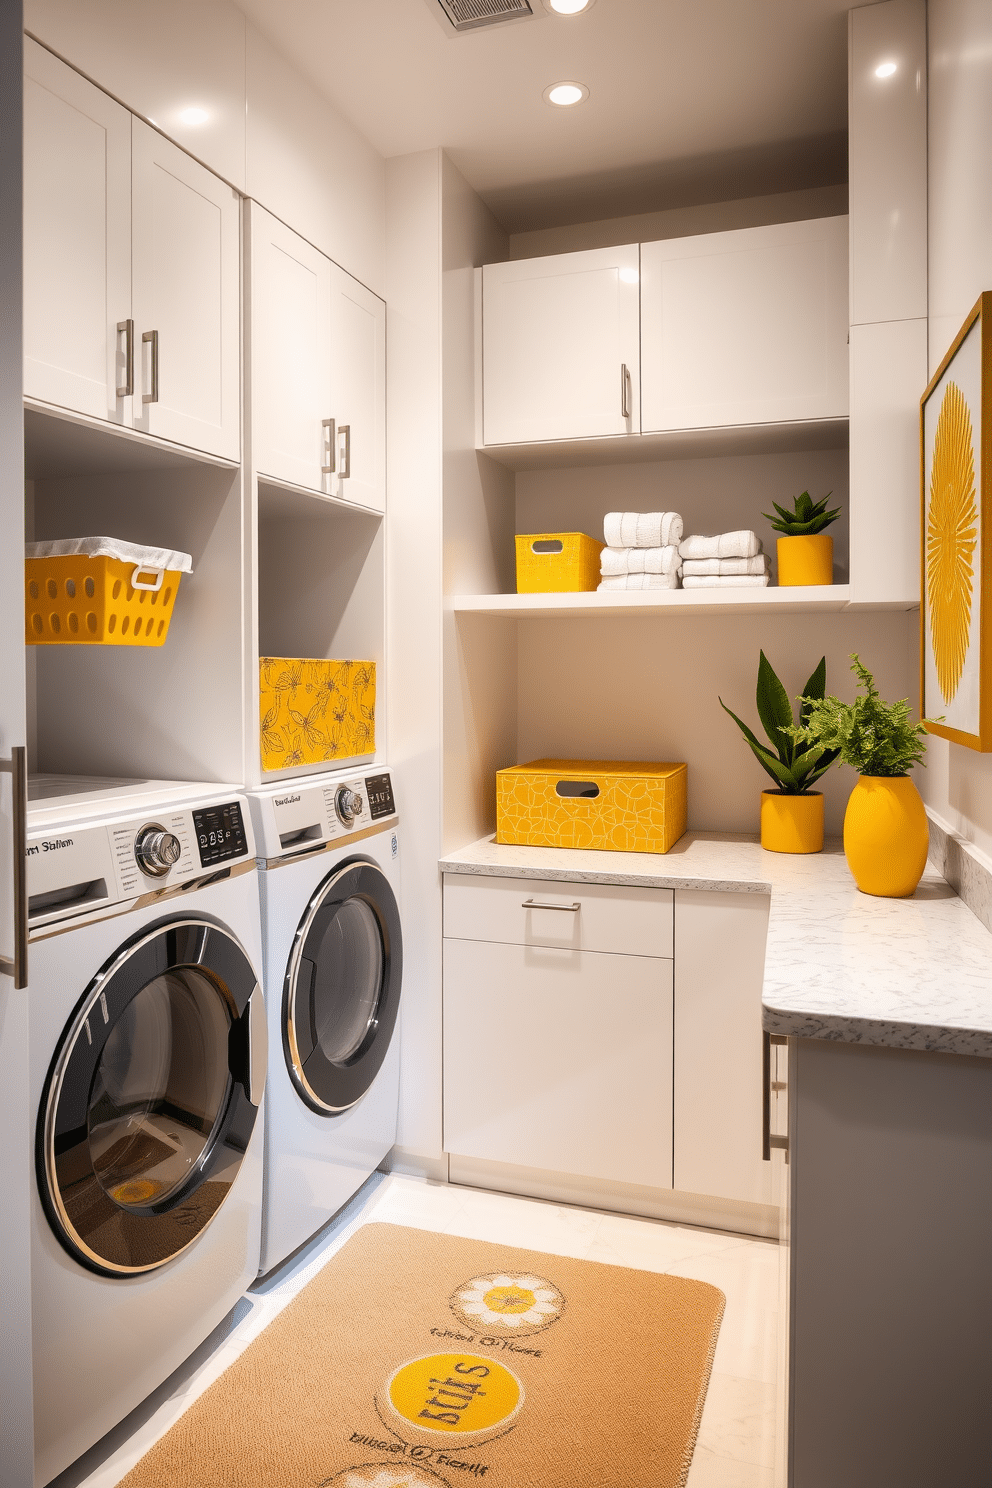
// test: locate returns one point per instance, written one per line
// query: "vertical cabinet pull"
(768, 1139)
(125, 328)
(344, 433)
(152, 338)
(624, 391)
(329, 462)
(17, 768)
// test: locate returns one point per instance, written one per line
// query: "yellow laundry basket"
(557, 562)
(620, 805)
(313, 710)
(97, 601)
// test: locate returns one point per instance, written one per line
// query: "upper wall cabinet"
(132, 254)
(560, 356)
(318, 369)
(745, 327)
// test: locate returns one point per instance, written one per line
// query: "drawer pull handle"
(536, 904)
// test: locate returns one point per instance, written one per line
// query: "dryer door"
(152, 1097)
(342, 991)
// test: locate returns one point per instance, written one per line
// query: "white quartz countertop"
(907, 973)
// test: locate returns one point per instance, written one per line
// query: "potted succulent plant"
(792, 813)
(886, 835)
(805, 551)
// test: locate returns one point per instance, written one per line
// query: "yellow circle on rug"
(462, 1394)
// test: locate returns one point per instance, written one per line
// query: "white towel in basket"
(111, 547)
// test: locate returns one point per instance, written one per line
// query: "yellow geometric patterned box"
(557, 563)
(617, 805)
(312, 711)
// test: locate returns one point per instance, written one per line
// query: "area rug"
(417, 1360)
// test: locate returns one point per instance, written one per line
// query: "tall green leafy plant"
(793, 766)
(873, 737)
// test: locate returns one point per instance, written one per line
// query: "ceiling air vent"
(467, 15)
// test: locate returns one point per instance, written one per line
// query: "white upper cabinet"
(132, 295)
(77, 240)
(318, 360)
(560, 353)
(745, 327)
(186, 300)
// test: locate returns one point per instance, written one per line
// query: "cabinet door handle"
(125, 328)
(330, 448)
(624, 391)
(536, 904)
(768, 1140)
(345, 430)
(17, 768)
(152, 338)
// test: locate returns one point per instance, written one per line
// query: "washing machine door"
(151, 1098)
(342, 989)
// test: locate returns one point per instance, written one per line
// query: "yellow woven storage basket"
(80, 599)
(619, 805)
(557, 562)
(312, 710)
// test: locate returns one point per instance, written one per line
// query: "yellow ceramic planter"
(791, 824)
(805, 560)
(886, 835)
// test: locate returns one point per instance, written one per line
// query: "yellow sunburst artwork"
(952, 533)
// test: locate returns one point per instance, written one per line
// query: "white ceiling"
(690, 100)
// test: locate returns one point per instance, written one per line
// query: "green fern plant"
(806, 518)
(873, 737)
(793, 768)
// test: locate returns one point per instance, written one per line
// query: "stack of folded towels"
(642, 551)
(733, 560)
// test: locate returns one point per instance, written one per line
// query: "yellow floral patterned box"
(312, 711)
(618, 805)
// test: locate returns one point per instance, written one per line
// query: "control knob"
(348, 804)
(156, 850)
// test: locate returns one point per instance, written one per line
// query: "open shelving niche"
(320, 586)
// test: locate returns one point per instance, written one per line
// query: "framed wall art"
(956, 546)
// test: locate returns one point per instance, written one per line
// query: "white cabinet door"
(559, 1060)
(560, 347)
(290, 355)
(719, 964)
(745, 327)
(77, 240)
(358, 389)
(186, 296)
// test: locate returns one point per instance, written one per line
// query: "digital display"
(220, 833)
(379, 790)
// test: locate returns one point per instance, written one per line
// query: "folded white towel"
(725, 545)
(640, 581)
(724, 581)
(725, 566)
(639, 560)
(642, 529)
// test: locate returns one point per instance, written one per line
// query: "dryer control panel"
(302, 816)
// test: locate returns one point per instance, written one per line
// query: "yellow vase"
(805, 560)
(886, 835)
(792, 824)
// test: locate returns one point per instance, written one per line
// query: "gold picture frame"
(956, 538)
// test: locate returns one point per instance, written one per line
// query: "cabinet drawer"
(549, 912)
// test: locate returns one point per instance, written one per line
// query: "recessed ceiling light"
(569, 7)
(194, 116)
(565, 94)
(885, 69)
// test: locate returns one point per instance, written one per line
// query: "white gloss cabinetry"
(745, 327)
(132, 299)
(560, 352)
(318, 369)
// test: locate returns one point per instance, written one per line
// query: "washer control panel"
(299, 817)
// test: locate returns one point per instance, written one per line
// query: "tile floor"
(740, 1441)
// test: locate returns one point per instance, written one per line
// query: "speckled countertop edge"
(840, 965)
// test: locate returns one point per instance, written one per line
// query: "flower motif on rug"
(506, 1304)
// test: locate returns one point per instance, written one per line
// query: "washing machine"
(148, 1059)
(332, 960)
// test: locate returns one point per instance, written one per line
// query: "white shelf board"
(674, 444)
(818, 599)
(282, 495)
(58, 442)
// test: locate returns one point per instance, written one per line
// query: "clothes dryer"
(333, 966)
(148, 1059)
